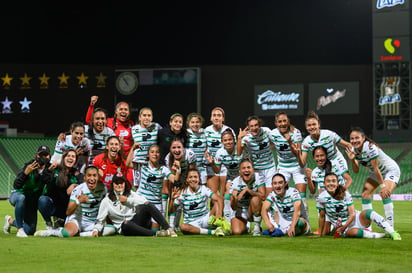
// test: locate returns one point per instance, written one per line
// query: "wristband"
(382, 186)
(77, 201)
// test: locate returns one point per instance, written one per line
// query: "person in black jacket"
(28, 186)
(168, 133)
(56, 195)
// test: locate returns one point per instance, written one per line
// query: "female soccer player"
(322, 137)
(112, 161)
(97, 132)
(258, 143)
(287, 140)
(195, 200)
(226, 156)
(197, 142)
(145, 133)
(336, 204)
(288, 205)
(216, 181)
(384, 172)
(248, 192)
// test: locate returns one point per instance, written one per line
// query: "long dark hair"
(112, 194)
(121, 152)
(328, 164)
(171, 156)
(65, 173)
(90, 131)
(339, 193)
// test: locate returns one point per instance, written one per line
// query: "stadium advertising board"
(334, 97)
(270, 99)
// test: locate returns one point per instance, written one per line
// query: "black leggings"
(140, 224)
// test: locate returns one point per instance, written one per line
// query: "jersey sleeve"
(89, 114)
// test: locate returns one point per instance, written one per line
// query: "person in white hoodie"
(129, 212)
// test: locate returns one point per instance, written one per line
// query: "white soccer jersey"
(61, 146)
(286, 159)
(151, 182)
(238, 184)
(98, 144)
(318, 175)
(197, 142)
(86, 213)
(259, 149)
(214, 138)
(195, 204)
(327, 139)
(370, 152)
(146, 137)
(285, 205)
(189, 159)
(230, 161)
(333, 208)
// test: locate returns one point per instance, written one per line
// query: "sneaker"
(212, 220)
(171, 232)
(221, 222)
(20, 233)
(6, 227)
(219, 232)
(277, 233)
(159, 233)
(43, 233)
(396, 236)
(257, 232)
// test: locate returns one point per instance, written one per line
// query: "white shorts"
(201, 222)
(355, 223)
(210, 172)
(392, 175)
(297, 173)
(265, 176)
(284, 225)
(82, 225)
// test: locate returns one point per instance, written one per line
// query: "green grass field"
(202, 253)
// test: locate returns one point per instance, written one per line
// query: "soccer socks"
(366, 204)
(172, 217)
(257, 219)
(109, 230)
(227, 210)
(305, 213)
(379, 221)
(369, 234)
(164, 204)
(388, 208)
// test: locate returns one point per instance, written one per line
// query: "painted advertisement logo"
(380, 4)
(272, 98)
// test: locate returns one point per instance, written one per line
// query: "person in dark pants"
(129, 212)
(28, 186)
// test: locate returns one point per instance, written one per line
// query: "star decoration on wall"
(82, 80)
(44, 81)
(6, 106)
(63, 80)
(25, 108)
(101, 80)
(6, 81)
(25, 81)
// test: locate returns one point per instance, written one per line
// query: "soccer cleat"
(257, 232)
(171, 232)
(219, 232)
(6, 227)
(396, 236)
(43, 233)
(266, 232)
(212, 220)
(21, 234)
(277, 233)
(221, 222)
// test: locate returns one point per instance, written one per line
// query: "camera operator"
(28, 186)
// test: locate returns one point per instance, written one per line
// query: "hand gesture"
(351, 153)
(61, 137)
(175, 192)
(136, 146)
(176, 166)
(209, 158)
(93, 100)
(31, 167)
(308, 172)
(83, 198)
(243, 133)
(122, 198)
